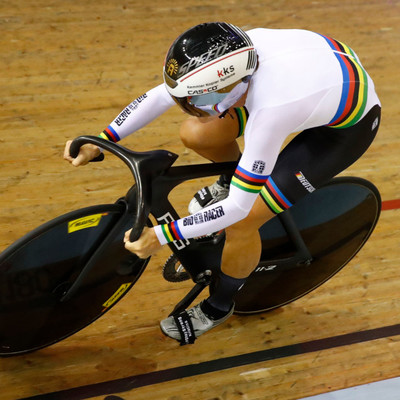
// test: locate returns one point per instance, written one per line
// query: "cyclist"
(266, 84)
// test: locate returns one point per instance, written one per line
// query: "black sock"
(221, 300)
(212, 312)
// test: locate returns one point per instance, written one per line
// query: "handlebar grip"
(75, 147)
(100, 157)
(136, 233)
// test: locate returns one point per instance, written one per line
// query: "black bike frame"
(154, 180)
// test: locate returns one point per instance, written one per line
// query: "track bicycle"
(63, 275)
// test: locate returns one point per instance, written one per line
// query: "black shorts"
(315, 156)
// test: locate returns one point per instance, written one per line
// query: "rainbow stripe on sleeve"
(171, 232)
(110, 134)
(248, 181)
(355, 86)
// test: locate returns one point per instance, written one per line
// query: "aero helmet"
(208, 68)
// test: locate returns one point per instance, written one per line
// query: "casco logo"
(171, 67)
(225, 71)
(202, 91)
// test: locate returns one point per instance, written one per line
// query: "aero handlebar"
(143, 165)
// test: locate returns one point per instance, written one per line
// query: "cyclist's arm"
(264, 136)
(139, 113)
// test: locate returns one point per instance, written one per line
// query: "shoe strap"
(203, 196)
(185, 328)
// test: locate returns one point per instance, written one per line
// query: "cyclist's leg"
(242, 248)
(307, 162)
(240, 256)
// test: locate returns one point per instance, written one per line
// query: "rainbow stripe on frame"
(248, 181)
(355, 86)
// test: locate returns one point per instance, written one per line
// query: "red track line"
(390, 204)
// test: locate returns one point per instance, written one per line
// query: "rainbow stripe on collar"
(243, 116)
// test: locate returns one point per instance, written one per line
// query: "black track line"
(152, 378)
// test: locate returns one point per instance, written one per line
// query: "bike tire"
(335, 222)
(38, 269)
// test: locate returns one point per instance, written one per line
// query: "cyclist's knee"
(192, 133)
(257, 216)
(212, 132)
(240, 228)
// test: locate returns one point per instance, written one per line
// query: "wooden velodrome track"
(68, 68)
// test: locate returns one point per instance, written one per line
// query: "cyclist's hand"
(86, 153)
(145, 246)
